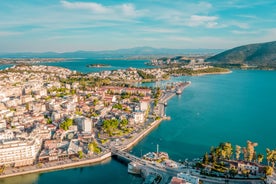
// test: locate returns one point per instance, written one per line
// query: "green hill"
(261, 55)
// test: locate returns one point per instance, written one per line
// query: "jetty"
(167, 95)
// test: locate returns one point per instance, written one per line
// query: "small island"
(97, 65)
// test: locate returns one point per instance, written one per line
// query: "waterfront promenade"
(69, 163)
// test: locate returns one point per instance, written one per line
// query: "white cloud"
(207, 21)
(244, 32)
(241, 25)
(126, 10)
(160, 30)
(95, 7)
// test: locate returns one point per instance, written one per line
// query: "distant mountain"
(121, 53)
(260, 54)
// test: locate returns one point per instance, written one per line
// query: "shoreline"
(68, 163)
(213, 73)
(57, 166)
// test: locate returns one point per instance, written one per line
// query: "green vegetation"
(123, 123)
(261, 55)
(187, 71)
(93, 147)
(218, 160)
(271, 157)
(66, 124)
(49, 121)
(145, 75)
(269, 170)
(135, 99)
(116, 127)
(80, 153)
(110, 126)
(125, 95)
(117, 106)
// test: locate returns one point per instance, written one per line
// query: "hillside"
(261, 54)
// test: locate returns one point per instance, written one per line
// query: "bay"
(80, 65)
(234, 107)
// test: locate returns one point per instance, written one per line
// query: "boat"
(134, 168)
(178, 91)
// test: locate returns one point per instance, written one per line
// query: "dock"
(167, 95)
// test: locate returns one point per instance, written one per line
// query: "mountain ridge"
(259, 54)
(136, 51)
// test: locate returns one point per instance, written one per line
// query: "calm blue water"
(81, 64)
(4, 66)
(215, 108)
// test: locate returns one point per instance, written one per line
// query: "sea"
(233, 107)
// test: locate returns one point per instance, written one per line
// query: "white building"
(247, 166)
(23, 148)
(85, 124)
(138, 117)
(6, 135)
(3, 124)
(144, 105)
(19, 152)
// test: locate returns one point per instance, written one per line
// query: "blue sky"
(70, 25)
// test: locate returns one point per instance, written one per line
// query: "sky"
(72, 25)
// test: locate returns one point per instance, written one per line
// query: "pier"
(167, 95)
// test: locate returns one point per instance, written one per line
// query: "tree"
(250, 150)
(260, 157)
(238, 152)
(269, 170)
(95, 101)
(206, 159)
(245, 154)
(80, 153)
(93, 147)
(117, 106)
(233, 172)
(135, 99)
(229, 150)
(269, 155)
(124, 122)
(66, 124)
(110, 125)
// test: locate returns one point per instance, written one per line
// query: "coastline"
(212, 73)
(56, 165)
(34, 169)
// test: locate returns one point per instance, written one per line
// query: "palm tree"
(238, 152)
(250, 150)
(269, 155)
(260, 157)
(245, 154)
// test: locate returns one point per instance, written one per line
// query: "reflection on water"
(23, 179)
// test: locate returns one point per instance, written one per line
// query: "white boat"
(134, 168)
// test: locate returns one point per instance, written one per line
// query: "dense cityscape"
(131, 92)
(54, 118)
